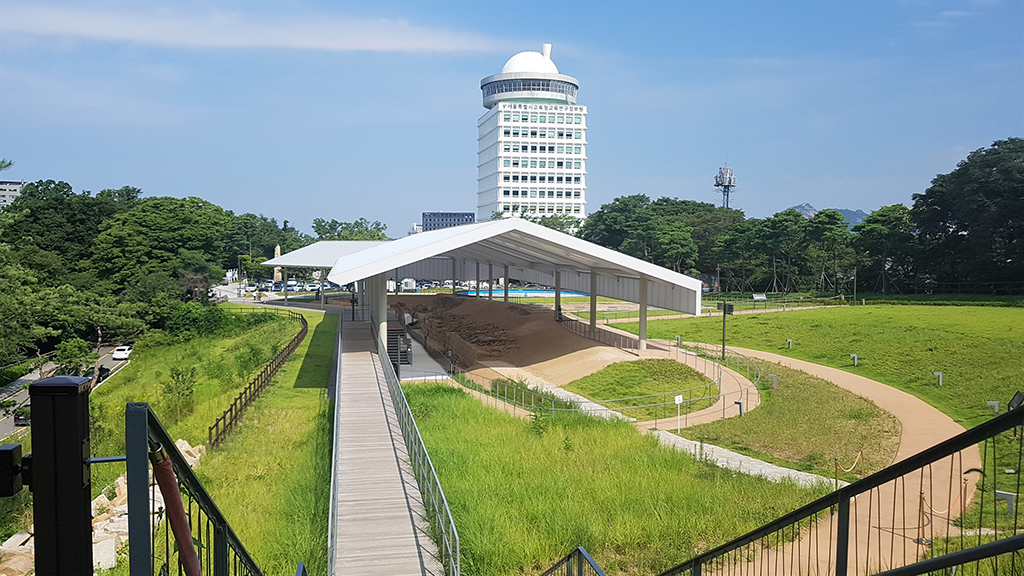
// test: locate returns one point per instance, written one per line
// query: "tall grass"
(524, 493)
(806, 423)
(655, 380)
(224, 365)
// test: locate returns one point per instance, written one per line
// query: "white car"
(121, 353)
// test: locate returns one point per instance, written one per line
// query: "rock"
(17, 563)
(101, 502)
(121, 486)
(103, 517)
(14, 542)
(121, 510)
(104, 554)
(182, 445)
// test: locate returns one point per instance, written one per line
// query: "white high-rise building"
(532, 141)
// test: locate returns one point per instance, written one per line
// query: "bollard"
(61, 475)
(854, 356)
(775, 380)
(789, 343)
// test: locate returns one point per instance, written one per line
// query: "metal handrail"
(438, 513)
(840, 499)
(1011, 545)
(220, 551)
(576, 563)
(621, 341)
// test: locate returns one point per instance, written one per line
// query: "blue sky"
(299, 109)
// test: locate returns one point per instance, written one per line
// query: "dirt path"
(886, 529)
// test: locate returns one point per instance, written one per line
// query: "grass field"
(271, 477)
(804, 424)
(662, 378)
(280, 457)
(224, 365)
(617, 314)
(524, 493)
(977, 349)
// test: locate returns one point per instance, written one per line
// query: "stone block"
(104, 554)
(14, 542)
(101, 501)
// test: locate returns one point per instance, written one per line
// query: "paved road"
(20, 395)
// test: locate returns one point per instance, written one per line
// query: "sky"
(303, 109)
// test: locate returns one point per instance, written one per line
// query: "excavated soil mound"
(513, 334)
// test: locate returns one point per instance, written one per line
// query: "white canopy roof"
(533, 253)
(322, 254)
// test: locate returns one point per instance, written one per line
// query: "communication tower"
(725, 182)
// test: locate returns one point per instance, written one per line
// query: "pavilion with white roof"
(531, 252)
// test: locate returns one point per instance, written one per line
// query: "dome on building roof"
(530, 61)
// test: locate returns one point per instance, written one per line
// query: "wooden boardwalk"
(381, 528)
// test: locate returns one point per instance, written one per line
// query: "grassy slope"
(978, 349)
(805, 423)
(524, 494)
(280, 458)
(219, 379)
(642, 377)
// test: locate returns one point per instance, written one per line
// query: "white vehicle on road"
(121, 353)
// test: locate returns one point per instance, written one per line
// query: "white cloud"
(236, 30)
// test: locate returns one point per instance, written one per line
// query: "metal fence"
(620, 341)
(438, 515)
(152, 548)
(577, 563)
(226, 422)
(949, 498)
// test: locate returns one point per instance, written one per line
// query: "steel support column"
(381, 306)
(558, 295)
(593, 302)
(490, 281)
(643, 313)
(505, 283)
(477, 279)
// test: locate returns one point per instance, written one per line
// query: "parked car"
(121, 353)
(23, 415)
(250, 288)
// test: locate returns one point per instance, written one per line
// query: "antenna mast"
(725, 182)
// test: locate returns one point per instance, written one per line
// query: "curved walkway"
(886, 523)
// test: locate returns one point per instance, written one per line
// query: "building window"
(533, 133)
(576, 165)
(533, 178)
(505, 178)
(515, 192)
(515, 163)
(543, 118)
(561, 149)
(575, 208)
(576, 180)
(506, 207)
(551, 193)
(558, 208)
(508, 116)
(515, 117)
(515, 133)
(578, 120)
(507, 162)
(533, 163)
(533, 207)
(559, 180)
(551, 208)
(508, 131)
(577, 151)
(577, 135)
(543, 164)
(576, 194)
(558, 194)
(515, 147)
(561, 119)
(543, 134)
(505, 193)
(560, 163)
(533, 118)
(506, 147)
(533, 193)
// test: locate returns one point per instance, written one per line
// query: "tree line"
(966, 228)
(108, 266)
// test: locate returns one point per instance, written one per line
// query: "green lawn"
(280, 458)
(662, 378)
(524, 493)
(271, 477)
(805, 424)
(978, 349)
(224, 365)
(616, 314)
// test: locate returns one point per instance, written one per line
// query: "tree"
(829, 241)
(885, 237)
(179, 390)
(565, 223)
(5, 164)
(361, 229)
(155, 236)
(73, 356)
(970, 222)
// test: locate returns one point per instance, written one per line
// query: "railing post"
(62, 482)
(843, 534)
(220, 551)
(136, 442)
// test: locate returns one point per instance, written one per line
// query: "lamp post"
(726, 310)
